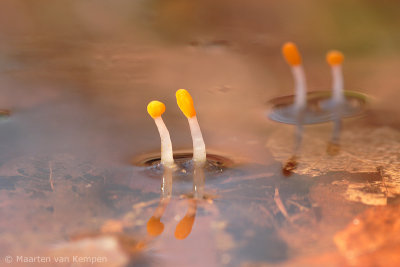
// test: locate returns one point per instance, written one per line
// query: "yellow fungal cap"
(154, 226)
(184, 227)
(291, 54)
(185, 103)
(155, 109)
(334, 57)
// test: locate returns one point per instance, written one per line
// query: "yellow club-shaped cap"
(334, 58)
(291, 54)
(185, 103)
(155, 109)
(154, 226)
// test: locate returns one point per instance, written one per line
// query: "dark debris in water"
(9, 182)
(289, 166)
(266, 216)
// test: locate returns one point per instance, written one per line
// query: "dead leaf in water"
(373, 238)
(363, 150)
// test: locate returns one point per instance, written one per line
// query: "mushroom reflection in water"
(184, 227)
(315, 107)
(293, 58)
(185, 103)
(156, 109)
(4, 113)
(336, 103)
(341, 104)
(154, 226)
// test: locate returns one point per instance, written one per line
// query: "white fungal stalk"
(199, 148)
(185, 103)
(156, 109)
(337, 84)
(166, 184)
(300, 86)
(167, 158)
(335, 60)
(293, 58)
(198, 182)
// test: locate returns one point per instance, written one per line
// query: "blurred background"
(77, 76)
(113, 57)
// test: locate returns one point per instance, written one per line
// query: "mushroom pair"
(334, 59)
(331, 109)
(185, 103)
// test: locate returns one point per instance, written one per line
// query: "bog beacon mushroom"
(293, 58)
(185, 103)
(335, 60)
(156, 109)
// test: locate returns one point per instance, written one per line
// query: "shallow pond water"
(77, 77)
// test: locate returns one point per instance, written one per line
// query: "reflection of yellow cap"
(291, 54)
(155, 109)
(112, 226)
(154, 226)
(185, 103)
(184, 227)
(334, 57)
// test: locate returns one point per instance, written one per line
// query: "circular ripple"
(182, 158)
(319, 108)
(4, 114)
(184, 165)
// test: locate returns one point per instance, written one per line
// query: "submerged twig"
(280, 205)
(301, 207)
(51, 176)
